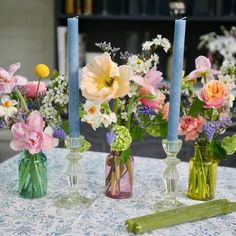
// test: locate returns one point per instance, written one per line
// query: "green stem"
(129, 111)
(22, 100)
(116, 105)
(24, 176)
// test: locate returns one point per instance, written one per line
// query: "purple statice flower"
(213, 126)
(21, 116)
(110, 137)
(58, 132)
(209, 131)
(146, 110)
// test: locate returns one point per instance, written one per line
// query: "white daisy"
(8, 109)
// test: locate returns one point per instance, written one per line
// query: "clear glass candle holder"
(170, 176)
(73, 172)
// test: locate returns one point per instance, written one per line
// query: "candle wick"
(183, 18)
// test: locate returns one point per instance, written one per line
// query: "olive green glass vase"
(202, 174)
(32, 175)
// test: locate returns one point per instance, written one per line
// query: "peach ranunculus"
(214, 94)
(103, 79)
(155, 102)
(31, 135)
(191, 127)
(30, 89)
(165, 111)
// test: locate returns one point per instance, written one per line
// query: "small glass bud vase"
(32, 175)
(202, 174)
(119, 176)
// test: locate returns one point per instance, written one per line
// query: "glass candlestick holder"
(170, 176)
(73, 172)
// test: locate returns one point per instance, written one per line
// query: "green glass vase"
(202, 174)
(32, 175)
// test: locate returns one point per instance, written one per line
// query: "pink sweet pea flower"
(191, 127)
(31, 135)
(31, 87)
(214, 94)
(149, 82)
(8, 80)
(155, 102)
(203, 69)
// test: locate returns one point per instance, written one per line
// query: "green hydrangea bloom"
(123, 138)
(229, 144)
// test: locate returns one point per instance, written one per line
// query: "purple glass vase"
(119, 176)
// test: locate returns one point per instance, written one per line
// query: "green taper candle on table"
(180, 215)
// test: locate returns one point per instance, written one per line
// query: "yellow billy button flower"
(42, 71)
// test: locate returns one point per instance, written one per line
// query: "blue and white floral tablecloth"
(106, 216)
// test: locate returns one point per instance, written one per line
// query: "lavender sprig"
(110, 138)
(2, 124)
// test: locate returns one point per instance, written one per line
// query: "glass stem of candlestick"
(171, 176)
(73, 173)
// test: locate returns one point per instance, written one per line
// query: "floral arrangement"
(135, 88)
(220, 47)
(206, 113)
(28, 107)
(128, 99)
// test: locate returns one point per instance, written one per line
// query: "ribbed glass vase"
(32, 175)
(202, 174)
(119, 176)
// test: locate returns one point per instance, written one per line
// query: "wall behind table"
(26, 34)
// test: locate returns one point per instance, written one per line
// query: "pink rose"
(31, 87)
(191, 127)
(31, 135)
(214, 94)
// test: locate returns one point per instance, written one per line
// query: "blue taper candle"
(73, 76)
(175, 90)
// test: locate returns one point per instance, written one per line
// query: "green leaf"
(124, 156)
(196, 108)
(149, 96)
(219, 152)
(163, 130)
(137, 133)
(65, 126)
(54, 75)
(153, 130)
